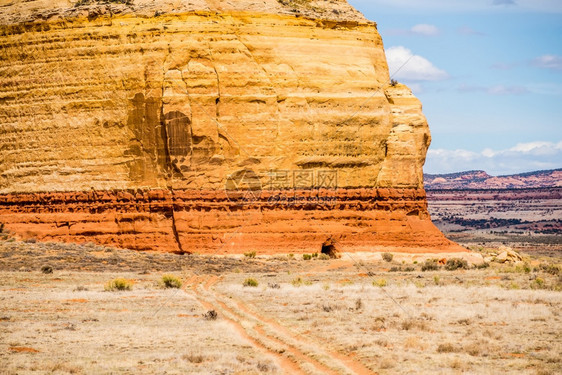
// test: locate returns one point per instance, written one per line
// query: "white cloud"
(504, 2)
(548, 62)
(417, 30)
(467, 30)
(545, 88)
(425, 29)
(519, 158)
(503, 66)
(495, 90)
(404, 65)
(537, 148)
(507, 90)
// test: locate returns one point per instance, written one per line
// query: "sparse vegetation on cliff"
(88, 2)
(295, 3)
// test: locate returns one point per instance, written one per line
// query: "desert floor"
(344, 316)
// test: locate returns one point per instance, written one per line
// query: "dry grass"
(118, 284)
(458, 326)
(171, 281)
(419, 323)
(147, 330)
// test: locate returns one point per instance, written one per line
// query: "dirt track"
(294, 352)
(347, 316)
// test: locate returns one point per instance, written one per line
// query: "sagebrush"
(119, 284)
(171, 281)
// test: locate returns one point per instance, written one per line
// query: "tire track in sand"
(355, 366)
(288, 365)
(268, 333)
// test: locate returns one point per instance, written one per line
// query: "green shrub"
(250, 254)
(380, 283)
(524, 268)
(419, 284)
(482, 265)
(430, 265)
(538, 283)
(315, 255)
(323, 257)
(118, 284)
(299, 282)
(171, 281)
(550, 268)
(400, 269)
(250, 282)
(306, 256)
(455, 264)
(387, 257)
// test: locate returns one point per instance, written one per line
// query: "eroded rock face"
(209, 126)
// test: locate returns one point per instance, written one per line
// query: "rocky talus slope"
(208, 126)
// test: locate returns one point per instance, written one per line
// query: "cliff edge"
(209, 126)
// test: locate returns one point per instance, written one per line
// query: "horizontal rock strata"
(143, 124)
(219, 223)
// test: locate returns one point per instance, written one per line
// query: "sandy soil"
(348, 316)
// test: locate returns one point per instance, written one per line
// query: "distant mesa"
(216, 127)
(482, 180)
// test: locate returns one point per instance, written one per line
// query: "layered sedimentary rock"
(208, 126)
(482, 180)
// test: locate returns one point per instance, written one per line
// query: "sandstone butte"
(208, 126)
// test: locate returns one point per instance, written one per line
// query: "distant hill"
(482, 180)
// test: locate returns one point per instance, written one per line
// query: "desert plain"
(134, 124)
(284, 314)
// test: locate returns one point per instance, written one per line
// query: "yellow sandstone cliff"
(208, 126)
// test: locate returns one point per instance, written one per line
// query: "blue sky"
(488, 73)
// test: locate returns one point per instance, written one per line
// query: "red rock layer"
(217, 222)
